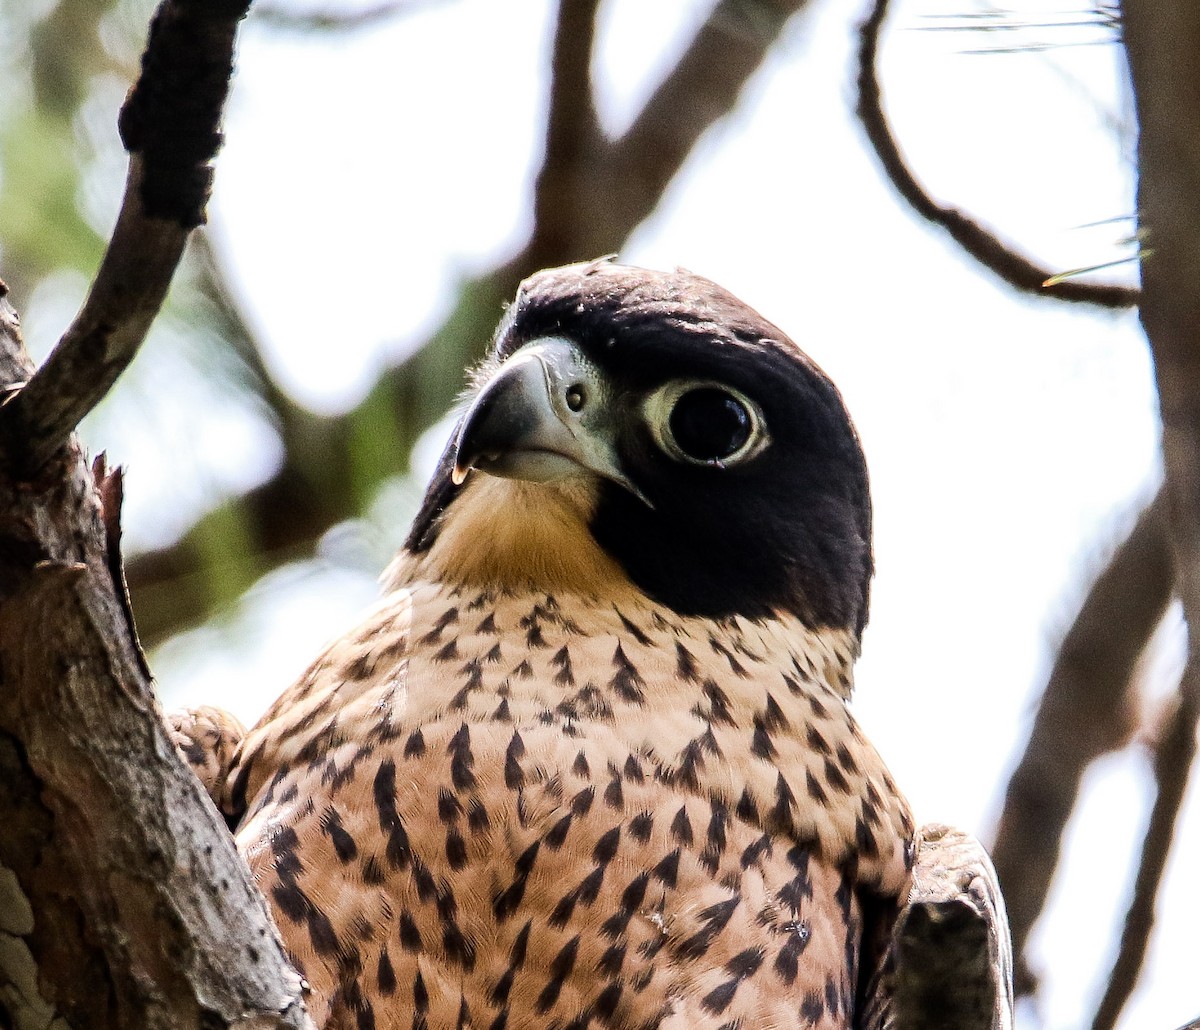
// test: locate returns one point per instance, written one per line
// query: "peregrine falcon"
(590, 763)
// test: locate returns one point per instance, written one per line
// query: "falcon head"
(649, 429)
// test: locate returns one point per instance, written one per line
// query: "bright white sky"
(1008, 439)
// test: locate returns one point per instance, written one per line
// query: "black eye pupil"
(709, 424)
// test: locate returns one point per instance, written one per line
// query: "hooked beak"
(545, 415)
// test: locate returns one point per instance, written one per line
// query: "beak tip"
(459, 474)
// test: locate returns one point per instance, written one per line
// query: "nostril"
(576, 396)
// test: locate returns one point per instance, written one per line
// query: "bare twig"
(1173, 756)
(110, 485)
(169, 124)
(1085, 712)
(980, 243)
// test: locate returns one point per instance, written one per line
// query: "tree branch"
(572, 132)
(980, 243)
(1174, 753)
(1085, 712)
(169, 126)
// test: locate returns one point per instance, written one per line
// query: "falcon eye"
(709, 424)
(703, 423)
